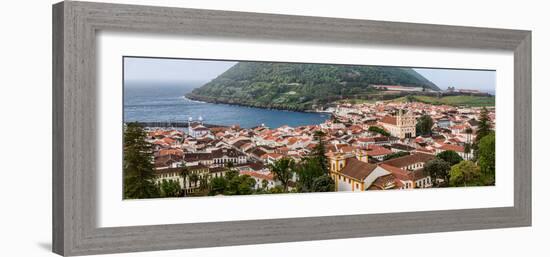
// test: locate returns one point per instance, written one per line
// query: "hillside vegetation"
(301, 86)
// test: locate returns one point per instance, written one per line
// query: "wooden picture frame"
(75, 25)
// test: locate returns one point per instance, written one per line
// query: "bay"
(165, 101)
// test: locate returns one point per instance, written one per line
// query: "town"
(365, 146)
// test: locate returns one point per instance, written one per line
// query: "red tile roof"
(389, 120)
(357, 169)
(456, 148)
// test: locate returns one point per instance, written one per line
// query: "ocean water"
(154, 101)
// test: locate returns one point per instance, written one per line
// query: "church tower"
(362, 155)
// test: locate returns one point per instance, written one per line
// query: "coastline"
(205, 99)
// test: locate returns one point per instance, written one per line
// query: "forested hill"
(301, 86)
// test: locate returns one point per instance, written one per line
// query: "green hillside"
(301, 86)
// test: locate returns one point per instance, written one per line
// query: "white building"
(401, 126)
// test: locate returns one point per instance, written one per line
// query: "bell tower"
(362, 156)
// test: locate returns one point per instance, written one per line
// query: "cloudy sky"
(178, 70)
(173, 70)
(464, 79)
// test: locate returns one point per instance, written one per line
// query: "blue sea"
(163, 101)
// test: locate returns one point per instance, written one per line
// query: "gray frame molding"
(74, 136)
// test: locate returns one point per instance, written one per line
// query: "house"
(222, 157)
(357, 175)
(443, 123)
(176, 174)
(378, 152)
(217, 172)
(411, 162)
(167, 161)
(396, 148)
(410, 170)
(203, 158)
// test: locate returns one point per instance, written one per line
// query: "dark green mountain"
(302, 86)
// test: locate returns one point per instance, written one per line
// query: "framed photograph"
(183, 128)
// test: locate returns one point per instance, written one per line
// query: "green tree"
(319, 153)
(424, 125)
(277, 189)
(240, 185)
(323, 184)
(468, 150)
(395, 155)
(194, 178)
(484, 126)
(486, 158)
(379, 130)
(230, 165)
(138, 164)
(184, 174)
(204, 182)
(170, 188)
(483, 129)
(230, 174)
(308, 170)
(438, 170)
(450, 156)
(265, 183)
(217, 186)
(465, 173)
(283, 171)
(246, 185)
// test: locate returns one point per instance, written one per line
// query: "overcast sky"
(178, 70)
(173, 70)
(464, 79)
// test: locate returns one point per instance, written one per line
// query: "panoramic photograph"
(196, 127)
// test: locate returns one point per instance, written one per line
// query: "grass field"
(458, 100)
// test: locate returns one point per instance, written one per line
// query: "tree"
(283, 171)
(450, 156)
(424, 125)
(265, 183)
(438, 170)
(240, 185)
(230, 165)
(170, 188)
(308, 170)
(184, 175)
(138, 165)
(194, 178)
(203, 185)
(277, 190)
(323, 184)
(483, 129)
(465, 173)
(246, 185)
(379, 130)
(319, 153)
(486, 158)
(467, 150)
(230, 174)
(218, 185)
(395, 155)
(484, 125)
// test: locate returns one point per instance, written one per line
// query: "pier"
(171, 124)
